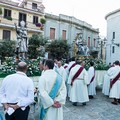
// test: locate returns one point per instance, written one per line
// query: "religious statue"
(81, 44)
(22, 40)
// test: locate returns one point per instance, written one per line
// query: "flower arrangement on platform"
(9, 67)
(98, 64)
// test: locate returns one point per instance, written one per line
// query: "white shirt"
(17, 88)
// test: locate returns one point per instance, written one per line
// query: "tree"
(7, 49)
(58, 49)
(36, 46)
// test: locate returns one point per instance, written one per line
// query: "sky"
(91, 11)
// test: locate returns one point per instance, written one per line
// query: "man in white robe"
(47, 82)
(106, 82)
(79, 92)
(106, 85)
(55, 65)
(115, 88)
(62, 71)
(70, 65)
(92, 82)
(41, 65)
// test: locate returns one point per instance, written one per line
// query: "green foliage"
(9, 67)
(36, 45)
(98, 64)
(0, 11)
(42, 20)
(7, 49)
(58, 49)
(9, 18)
(33, 67)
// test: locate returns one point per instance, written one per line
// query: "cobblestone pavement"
(99, 108)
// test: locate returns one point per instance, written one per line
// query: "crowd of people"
(57, 83)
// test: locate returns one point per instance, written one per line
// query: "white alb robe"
(106, 85)
(115, 90)
(62, 72)
(46, 83)
(67, 69)
(79, 92)
(92, 85)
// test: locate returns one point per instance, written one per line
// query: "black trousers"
(19, 114)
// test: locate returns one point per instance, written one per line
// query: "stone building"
(113, 36)
(31, 11)
(56, 27)
(67, 28)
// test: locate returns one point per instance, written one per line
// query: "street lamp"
(101, 43)
(117, 44)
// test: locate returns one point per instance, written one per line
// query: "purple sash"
(114, 80)
(93, 77)
(65, 66)
(76, 74)
(72, 66)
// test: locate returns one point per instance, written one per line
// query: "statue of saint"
(22, 40)
(82, 47)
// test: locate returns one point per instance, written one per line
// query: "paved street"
(99, 108)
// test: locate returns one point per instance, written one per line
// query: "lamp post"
(101, 43)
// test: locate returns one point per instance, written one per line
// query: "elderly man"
(17, 92)
(78, 79)
(52, 93)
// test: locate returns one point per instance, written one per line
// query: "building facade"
(57, 27)
(11, 13)
(67, 28)
(113, 36)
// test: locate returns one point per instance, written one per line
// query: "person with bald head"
(17, 93)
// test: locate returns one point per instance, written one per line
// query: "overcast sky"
(90, 11)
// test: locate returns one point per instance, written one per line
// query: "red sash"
(72, 66)
(65, 66)
(76, 74)
(93, 77)
(114, 80)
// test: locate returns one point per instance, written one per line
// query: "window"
(113, 49)
(113, 35)
(34, 6)
(7, 13)
(64, 34)
(6, 34)
(52, 33)
(88, 41)
(35, 19)
(22, 16)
